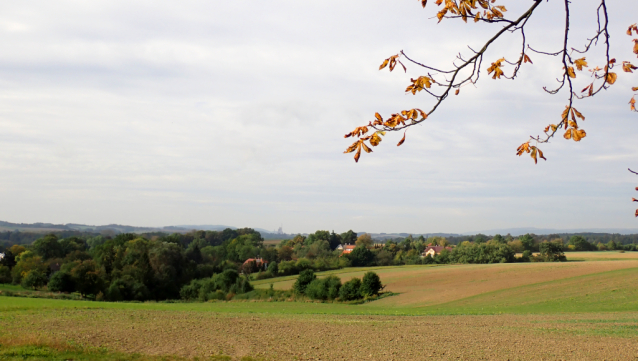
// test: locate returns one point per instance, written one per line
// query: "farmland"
(573, 310)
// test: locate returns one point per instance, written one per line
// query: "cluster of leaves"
(469, 9)
(485, 10)
(402, 118)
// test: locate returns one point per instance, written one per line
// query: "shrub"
(61, 282)
(552, 252)
(361, 257)
(350, 290)
(324, 289)
(304, 279)
(371, 284)
(263, 275)
(286, 268)
(5, 274)
(225, 279)
(273, 268)
(317, 290)
(34, 279)
(526, 256)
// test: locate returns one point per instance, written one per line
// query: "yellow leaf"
(570, 72)
(635, 89)
(578, 114)
(632, 103)
(375, 139)
(526, 59)
(366, 148)
(540, 154)
(457, 92)
(522, 148)
(611, 78)
(565, 113)
(580, 63)
(385, 63)
(477, 17)
(353, 147)
(579, 134)
(402, 140)
(628, 67)
(357, 155)
(568, 134)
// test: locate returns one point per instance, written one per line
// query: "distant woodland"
(221, 264)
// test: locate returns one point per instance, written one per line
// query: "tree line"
(212, 264)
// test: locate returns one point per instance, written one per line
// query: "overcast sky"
(156, 113)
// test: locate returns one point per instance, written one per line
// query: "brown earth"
(444, 284)
(332, 337)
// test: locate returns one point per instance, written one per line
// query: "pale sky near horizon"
(157, 113)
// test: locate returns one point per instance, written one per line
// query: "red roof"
(437, 249)
(256, 260)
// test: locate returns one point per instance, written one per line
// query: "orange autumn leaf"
(628, 67)
(580, 63)
(375, 139)
(526, 59)
(402, 140)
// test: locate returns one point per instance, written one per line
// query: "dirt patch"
(329, 337)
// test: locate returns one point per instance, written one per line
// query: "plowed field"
(339, 337)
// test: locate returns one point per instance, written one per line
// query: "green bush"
(264, 275)
(324, 289)
(316, 290)
(371, 284)
(61, 282)
(361, 257)
(5, 274)
(552, 252)
(304, 279)
(273, 268)
(34, 279)
(350, 290)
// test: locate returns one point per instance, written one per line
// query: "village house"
(348, 248)
(259, 263)
(434, 250)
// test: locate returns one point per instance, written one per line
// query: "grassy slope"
(604, 291)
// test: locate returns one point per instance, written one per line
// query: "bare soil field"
(332, 337)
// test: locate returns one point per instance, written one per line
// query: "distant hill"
(545, 231)
(266, 234)
(119, 228)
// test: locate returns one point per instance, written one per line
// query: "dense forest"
(221, 264)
